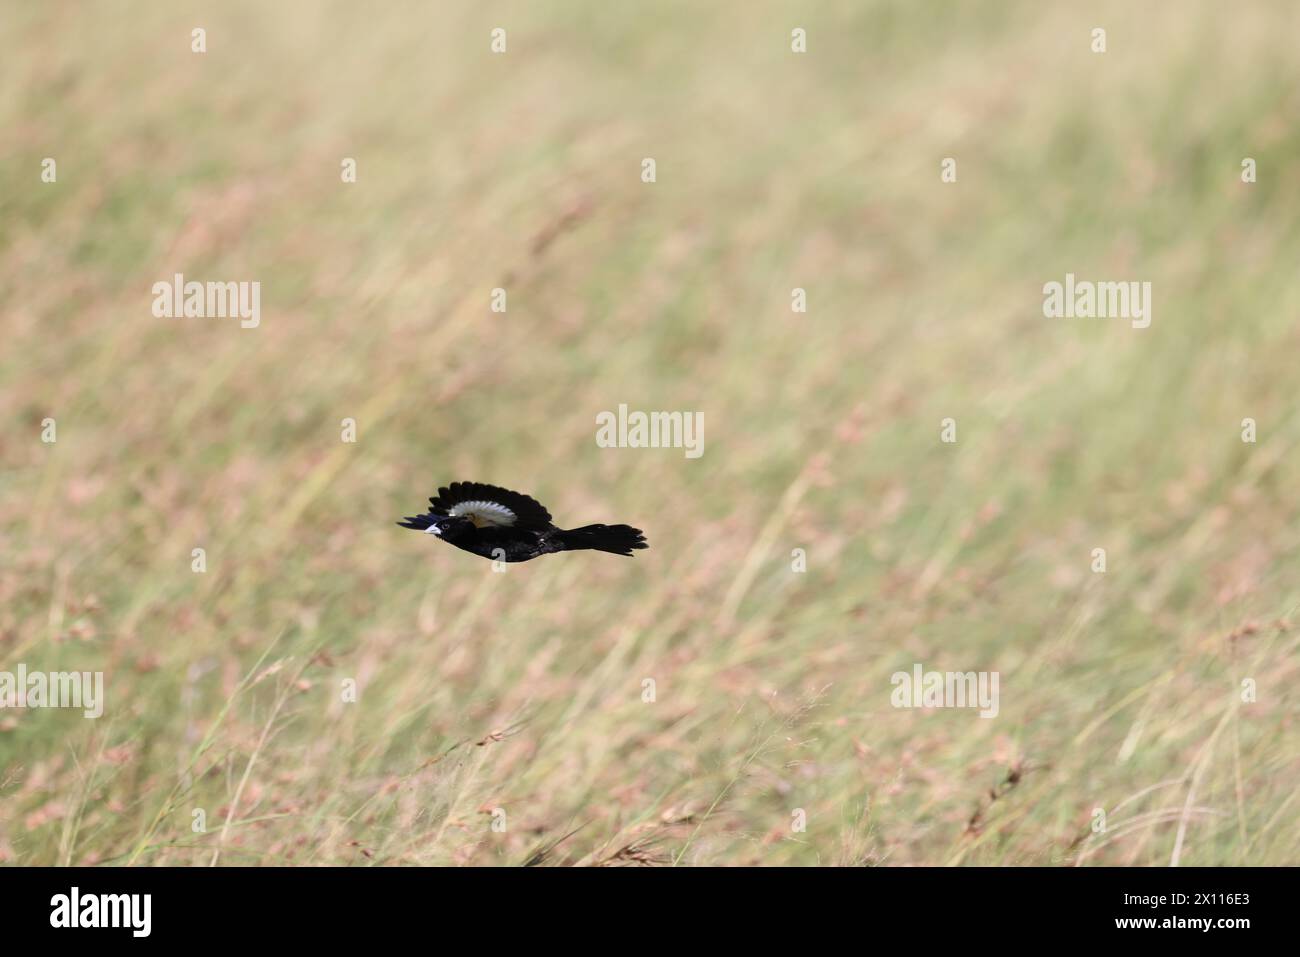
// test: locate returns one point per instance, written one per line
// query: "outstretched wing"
(490, 505)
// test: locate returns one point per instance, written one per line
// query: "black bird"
(509, 527)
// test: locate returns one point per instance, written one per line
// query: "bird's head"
(449, 526)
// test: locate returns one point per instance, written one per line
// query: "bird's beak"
(433, 530)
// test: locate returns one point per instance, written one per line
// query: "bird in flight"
(509, 527)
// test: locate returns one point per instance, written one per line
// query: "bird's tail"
(616, 539)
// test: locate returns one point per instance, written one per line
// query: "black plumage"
(511, 527)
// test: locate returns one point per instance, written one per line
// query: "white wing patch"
(483, 513)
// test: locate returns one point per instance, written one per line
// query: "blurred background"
(518, 699)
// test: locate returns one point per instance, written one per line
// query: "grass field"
(501, 718)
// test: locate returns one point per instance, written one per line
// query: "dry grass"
(523, 691)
